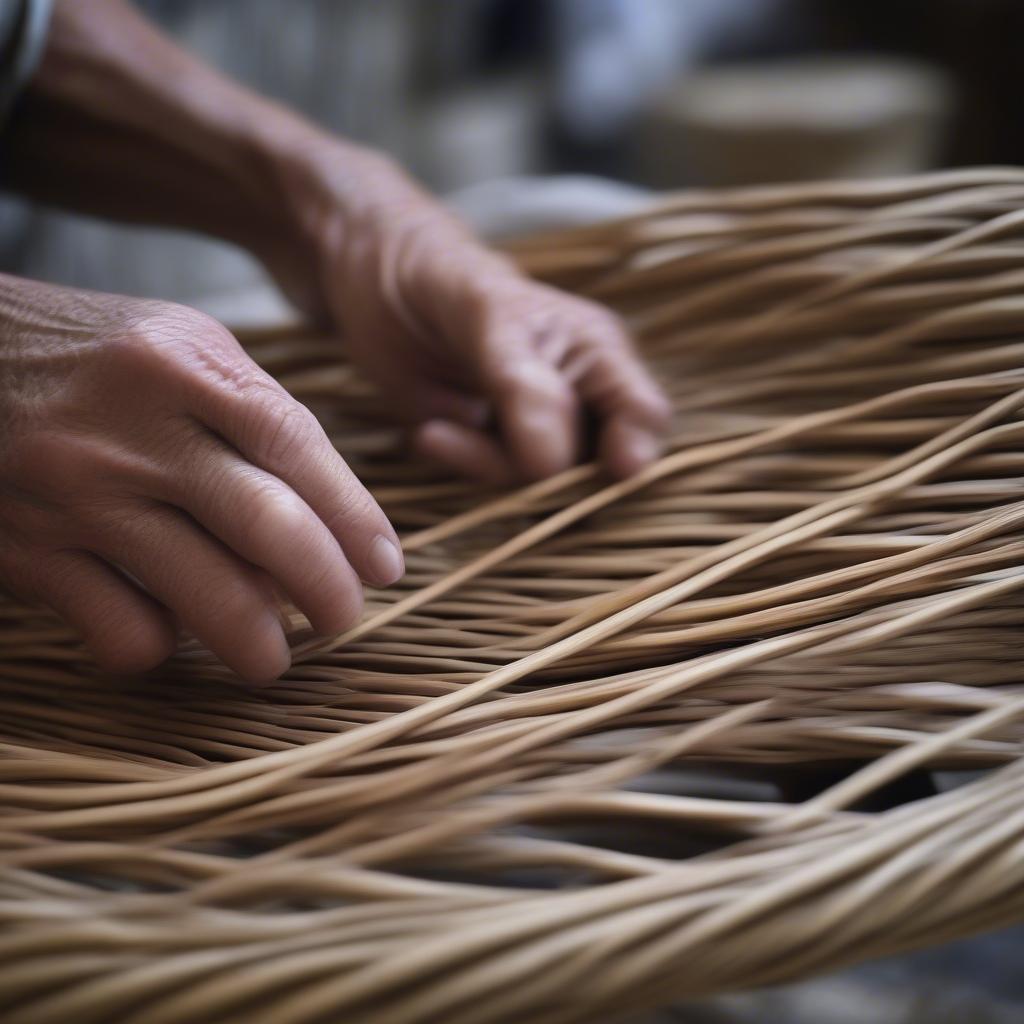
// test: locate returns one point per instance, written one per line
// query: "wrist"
(356, 220)
(339, 201)
(336, 192)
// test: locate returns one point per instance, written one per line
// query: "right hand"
(153, 477)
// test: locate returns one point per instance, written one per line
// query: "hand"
(456, 337)
(152, 476)
(495, 371)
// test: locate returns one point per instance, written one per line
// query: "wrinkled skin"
(460, 340)
(152, 477)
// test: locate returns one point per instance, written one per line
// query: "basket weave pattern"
(549, 777)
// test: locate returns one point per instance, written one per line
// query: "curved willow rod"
(608, 745)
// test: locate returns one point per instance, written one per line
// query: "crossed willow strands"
(583, 759)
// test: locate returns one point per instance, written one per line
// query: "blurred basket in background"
(796, 120)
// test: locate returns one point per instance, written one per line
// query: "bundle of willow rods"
(607, 745)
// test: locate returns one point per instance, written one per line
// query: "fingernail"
(630, 450)
(552, 447)
(644, 448)
(386, 562)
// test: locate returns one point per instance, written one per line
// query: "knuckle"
(598, 323)
(488, 308)
(283, 430)
(503, 352)
(276, 513)
(648, 400)
(232, 376)
(609, 332)
(536, 384)
(128, 353)
(176, 343)
(520, 374)
(152, 330)
(167, 323)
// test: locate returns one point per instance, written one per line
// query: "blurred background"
(492, 103)
(527, 114)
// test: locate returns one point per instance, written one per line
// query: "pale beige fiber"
(607, 745)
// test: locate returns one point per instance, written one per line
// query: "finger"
(537, 410)
(633, 411)
(625, 448)
(266, 523)
(277, 434)
(216, 596)
(611, 377)
(125, 630)
(421, 402)
(468, 452)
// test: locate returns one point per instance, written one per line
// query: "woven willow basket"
(608, 745)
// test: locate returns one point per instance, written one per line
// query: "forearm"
(120, 122)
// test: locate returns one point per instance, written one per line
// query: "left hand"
(458, 340)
